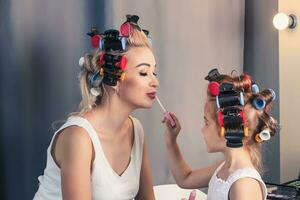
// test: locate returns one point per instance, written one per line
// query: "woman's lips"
(151, 95)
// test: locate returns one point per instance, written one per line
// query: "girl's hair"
(136, 38)
(257, 120)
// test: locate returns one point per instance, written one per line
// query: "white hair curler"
(264, 135)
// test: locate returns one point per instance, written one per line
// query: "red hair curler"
(101, 59)
(243, 117)
(125, 29)
(122, 63)
(213, 88)
(220, 119)
(95, 41)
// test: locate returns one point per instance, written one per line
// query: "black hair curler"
(234, 138)
(112, 71)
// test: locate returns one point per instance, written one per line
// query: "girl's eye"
(155, 74)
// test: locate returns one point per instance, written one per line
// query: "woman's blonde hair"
(256, 120)
(136, 38)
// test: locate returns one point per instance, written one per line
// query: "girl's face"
(140, 85)
(211, 130)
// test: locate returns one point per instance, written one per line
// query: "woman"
(101, 152)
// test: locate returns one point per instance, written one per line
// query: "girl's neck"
(237, 158)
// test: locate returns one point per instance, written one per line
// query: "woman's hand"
(192, 196)
(171, 131)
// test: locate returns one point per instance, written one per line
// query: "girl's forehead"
(209, 109)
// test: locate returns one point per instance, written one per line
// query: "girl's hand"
(171, 131)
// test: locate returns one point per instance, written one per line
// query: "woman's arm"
(184, 176)
(146, 184)
(73, 152)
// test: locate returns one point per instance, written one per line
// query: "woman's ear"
(116, 88)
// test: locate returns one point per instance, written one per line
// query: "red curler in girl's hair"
(243, 117)
(213, 88)
(220, 119)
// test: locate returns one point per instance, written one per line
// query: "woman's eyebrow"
(146, 64)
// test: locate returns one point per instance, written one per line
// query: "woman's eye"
(146, 74)
(143, 73)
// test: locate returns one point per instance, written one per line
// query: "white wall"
(189, 37)
(289, 60)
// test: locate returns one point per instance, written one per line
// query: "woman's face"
(211, 130)
(140, 85)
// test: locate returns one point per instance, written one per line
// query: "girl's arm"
(73, 153)
(146, 184)
(184, 176)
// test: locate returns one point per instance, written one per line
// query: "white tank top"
(218, 189)
(105, 182)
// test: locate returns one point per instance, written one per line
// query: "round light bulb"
(281, 21)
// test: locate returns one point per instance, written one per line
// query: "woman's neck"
(111, 116)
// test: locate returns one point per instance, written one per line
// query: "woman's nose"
(154, 82)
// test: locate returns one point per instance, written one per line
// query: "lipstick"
(166, 113)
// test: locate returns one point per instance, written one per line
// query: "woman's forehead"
(139, 55)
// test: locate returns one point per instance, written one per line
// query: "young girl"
(100, 152)
(236, 123)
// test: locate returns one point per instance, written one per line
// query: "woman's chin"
(210, 149)
(145, 106)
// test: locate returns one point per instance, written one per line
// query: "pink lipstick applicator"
(166, 113)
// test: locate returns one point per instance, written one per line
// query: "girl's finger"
(174, 117)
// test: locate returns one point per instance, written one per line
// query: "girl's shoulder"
(247, 181)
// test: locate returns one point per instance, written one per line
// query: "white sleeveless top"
(218, 189)
(105, 182)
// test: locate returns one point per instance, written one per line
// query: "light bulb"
(281, 21)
